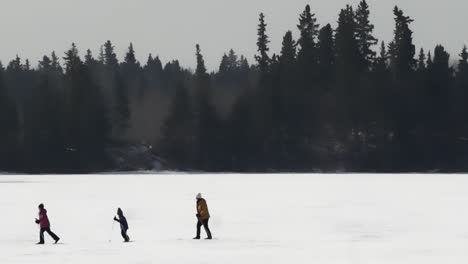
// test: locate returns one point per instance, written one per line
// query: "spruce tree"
(421, 61)
(461, 92)
(130, 56)
(440, 75)
(307, 48)
(347, 46)
(56, 63)
(309, 30)
(262, 58)
(429, 60)
(90, 61)
(286, 113)
(351, 110)
(87, 131)
(109, 56)
(288, 49)
(177, 135)
(326, 54)
(382, 60)
(127, 80)
(201, 68)
(9, 127)
(45, 64)
(439, 121)
(463, 63)
(207, 122)
(402, 49)
(152, 75)
(224, 66)
(347, 54)
(233, 60)
(122, 103)
(364, 30)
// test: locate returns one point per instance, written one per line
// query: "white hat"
(199, 196)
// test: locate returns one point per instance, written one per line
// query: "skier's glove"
(115, 218)
(37, 221)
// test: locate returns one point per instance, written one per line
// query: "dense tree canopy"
(332, 99)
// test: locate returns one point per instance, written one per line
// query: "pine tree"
(429, 60)
(45, 64)
(207, 122)
(229, 68)
(288, 50)
(9, 127)
(244, 66)
(89, 59)
(102, 56)
(87, 131)
(201, 68)
(122, 104)
(153, 74)
(309, 30)
(461, 92)
(72, 61)
(421, 61)
(381, 62)
(463, 63)
(262, 58)
(347, 52)
(115, 87)
(130, 58)
(177, 140)
(45, 134)
(27, 65)
(56, 63)
(439, 121)
(224, 66)
(351, 110)
(307, 51)
(130, 66)
(110, 58)
(326, 54)
(402, 49)
(440, 74)
(364, 30)
(286, 112)
(347, 46)
(233, 61)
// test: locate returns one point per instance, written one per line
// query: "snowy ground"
(255, 219)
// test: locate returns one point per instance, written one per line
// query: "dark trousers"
(203, 223)
(123, 232)
(47, 229)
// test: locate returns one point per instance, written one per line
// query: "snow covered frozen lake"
(256, 219)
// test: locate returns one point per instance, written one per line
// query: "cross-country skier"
(44, 224)
(203, 216)
(123, 225)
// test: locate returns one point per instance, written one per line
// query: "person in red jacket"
(44, 224)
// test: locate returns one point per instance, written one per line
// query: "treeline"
(327, 101)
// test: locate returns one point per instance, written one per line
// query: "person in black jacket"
(123, 224)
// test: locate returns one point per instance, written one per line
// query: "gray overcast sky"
(171, 28)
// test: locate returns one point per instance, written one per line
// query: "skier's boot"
(57, 240)
(208, 238)
(197, 237)
(40, 243)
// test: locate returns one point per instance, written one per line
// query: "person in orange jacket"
(203, 216)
